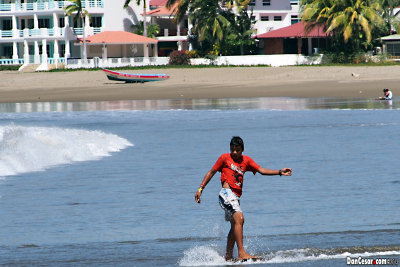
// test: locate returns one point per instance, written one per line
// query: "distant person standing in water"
(388, 95)
(232, 167)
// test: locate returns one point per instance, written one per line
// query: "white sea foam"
(27, 149)
(208, 256)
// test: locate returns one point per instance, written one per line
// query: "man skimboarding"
(232, 167)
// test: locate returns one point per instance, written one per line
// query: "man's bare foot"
(246, 257)
(229, 257)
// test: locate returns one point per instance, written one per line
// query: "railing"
(29, 6)
(60, 4)
(100, 3)
(5, 7)
(19, 61)
(115, 62)
(48, 5)
(44, 32)
(172, 32)
(6, 34)
(34, 32)
(40, 6)
(78, 31)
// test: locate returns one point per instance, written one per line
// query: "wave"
(28, 149)
(209, 255)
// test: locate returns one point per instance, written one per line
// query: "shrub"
(179, 58)
(192, 54)
(9, 67)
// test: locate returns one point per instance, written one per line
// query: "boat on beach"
(134, 77)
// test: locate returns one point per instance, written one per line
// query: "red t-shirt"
(232, 171)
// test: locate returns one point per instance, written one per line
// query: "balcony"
(43, 32)
(172, 32)
(47, 5)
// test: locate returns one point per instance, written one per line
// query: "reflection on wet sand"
(268, 103)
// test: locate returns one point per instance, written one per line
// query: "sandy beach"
(203, 83)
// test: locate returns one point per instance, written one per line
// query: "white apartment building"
(274, 14)
(38, 32)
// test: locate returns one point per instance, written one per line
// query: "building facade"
(38, 32)
(274, 14)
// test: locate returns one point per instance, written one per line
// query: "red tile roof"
(119, 37)
(294, 30)
(163, 11)
(158, 2)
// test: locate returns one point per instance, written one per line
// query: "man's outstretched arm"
(284, 171)
(203, 184)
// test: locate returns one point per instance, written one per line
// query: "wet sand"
(203, 83)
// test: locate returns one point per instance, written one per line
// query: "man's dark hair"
(237, 141)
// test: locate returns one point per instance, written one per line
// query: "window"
(294, 2)
(44, 23)
(7, 25)
(8, 51)
(31, 24)
(62, 50)
(264, 18)
(96, 22)
(61, 22)
(277, 18)
(253, 18)
(252, 3)
(266, 2)
(393, 49)
(294, 19)
(47, 50)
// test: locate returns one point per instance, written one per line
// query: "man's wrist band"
(280, 172)
(200, 189)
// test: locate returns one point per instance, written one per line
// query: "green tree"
(392, 21)
(152, 29)
(126, 4)
(354, 20)
(77, 8)
(241, 30)
(181, 9)
(222, 27)
(208, 21)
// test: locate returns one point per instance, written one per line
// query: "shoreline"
(203, 83)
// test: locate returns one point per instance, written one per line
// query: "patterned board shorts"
(230, 202)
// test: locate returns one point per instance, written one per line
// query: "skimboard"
(249, 260)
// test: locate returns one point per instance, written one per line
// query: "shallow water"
(113, 183)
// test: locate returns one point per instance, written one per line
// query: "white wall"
(116, 18)
(271, 60)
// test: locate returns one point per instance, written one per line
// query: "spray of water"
(28, 149)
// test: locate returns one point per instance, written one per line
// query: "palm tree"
(76, 6)
(242, 25)
(181, 9)
(354, 19)
(152, 29)
(183, 6)
(208, 19)
(127, 2)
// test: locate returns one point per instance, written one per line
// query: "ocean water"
(113, 183)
